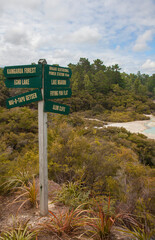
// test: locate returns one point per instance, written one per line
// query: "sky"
(63, 31)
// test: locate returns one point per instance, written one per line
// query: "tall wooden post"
(43, 165)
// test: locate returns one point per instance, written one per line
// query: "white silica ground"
(146, 127)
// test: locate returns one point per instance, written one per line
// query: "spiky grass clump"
(20, 231)
(100, 222)
(27, 193)
(13, 182)
(65, 223)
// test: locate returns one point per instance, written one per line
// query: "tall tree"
(98, 65)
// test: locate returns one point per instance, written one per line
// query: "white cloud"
(16, 36)
(85, 34)
(142, 41)
(64, 31)
(149, 66)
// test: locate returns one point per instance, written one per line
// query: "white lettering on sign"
(62, 109)
(25, 82)
(61, 82)
(14, 70)
(58, 82)
(60, 74)
(30, 70)
(52, 73)
(59, 69)
(11, 102)
(59, 93)
(21, 99)
(17, 82)
(31, 96)
(53, 68)
(66, 75)
(21, 70)
(66, 92)
(54, 82)
(63, 70)
(59, 108)
(21, 82)
(54, 93)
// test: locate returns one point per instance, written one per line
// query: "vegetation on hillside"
(93, 164)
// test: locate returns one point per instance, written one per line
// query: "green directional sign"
(57, 93)
(57, 72)
(23, 71)
(29, 82)
(55, 83)
(24, 99)
(56, 108)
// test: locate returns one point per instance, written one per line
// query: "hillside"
(110, 167)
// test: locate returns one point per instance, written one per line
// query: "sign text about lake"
(29, 82)
(25, 98)
(55, 83)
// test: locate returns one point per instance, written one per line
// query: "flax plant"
(100, 222)
(28, 193)
(65, 223)
(12, 183)
(19, 232)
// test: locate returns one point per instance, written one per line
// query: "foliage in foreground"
(67, 222)
(20, 231)
(101, 222)
(73, 194)
(139, 233)
(27, 194)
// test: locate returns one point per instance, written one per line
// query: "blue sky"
(115, 31)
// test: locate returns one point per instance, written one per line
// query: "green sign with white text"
(23, 71)
(25, 98)
(57, 93)
(29, 82)
(56, 108)
(57, 72)
(55, 83)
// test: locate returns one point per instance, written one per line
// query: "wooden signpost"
(51, 82)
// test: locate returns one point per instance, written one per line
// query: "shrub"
(68, 222)
(20, 231)
(73, 194)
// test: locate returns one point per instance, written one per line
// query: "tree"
(88, 84)
(151, 84)
(75, 81)
(84, 64)
(101, 82)
(98, 65)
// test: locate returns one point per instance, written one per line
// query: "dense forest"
(89, 162)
